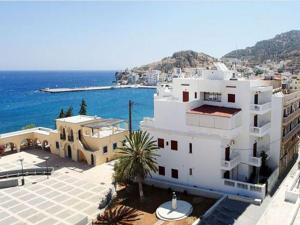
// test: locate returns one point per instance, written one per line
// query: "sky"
(118, 35)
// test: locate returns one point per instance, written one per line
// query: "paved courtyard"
(69, 196)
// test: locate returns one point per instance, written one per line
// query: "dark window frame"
(174, 173)
(174, 145)
(161, 170)
(105, 149)
(160, 142)
(190, 148)
(231, 98)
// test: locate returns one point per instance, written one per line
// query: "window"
(185, 96)
(160, 143)
(115, 145)
(231, 98)
(191, 148)
(174, 173)
(195, 95)
(212, 96)
(191, 171)
(174, 145)
(124, 142)
(161, 170)
(57, 145)
(104, 149)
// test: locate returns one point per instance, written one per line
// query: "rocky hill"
(181, 59)
(283, 47)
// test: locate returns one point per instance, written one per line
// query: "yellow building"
(81, 138)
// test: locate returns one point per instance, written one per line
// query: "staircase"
(225, 213)
(84, 145)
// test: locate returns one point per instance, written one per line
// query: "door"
(185, 96)
(92, 160)
(227, 153)
(227, 175)
(256, 99)
(254, 149)
(69, 152)
(79, 135)
(255, 121)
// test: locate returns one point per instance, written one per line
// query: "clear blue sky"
(116, 35)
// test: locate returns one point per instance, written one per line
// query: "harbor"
(94, 88)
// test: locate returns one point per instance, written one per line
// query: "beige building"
(93, 140)
(290, 129)
(286, 117)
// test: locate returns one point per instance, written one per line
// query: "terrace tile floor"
(69, 195)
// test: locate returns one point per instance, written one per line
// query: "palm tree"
(137, 158)
(118, 216)
(83, 108)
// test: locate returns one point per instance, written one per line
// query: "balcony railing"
(260, 131)
(254, 161)
(257, 190)
(290, 117)
(230, 164)
(147, 121)
(261, 108)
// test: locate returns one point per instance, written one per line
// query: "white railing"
(230, 164)
(254, 161)
(273, 179)
(259, 189)
(292, 192)
(260, 107)
(26, 131)
(148, 121)
(260, 130)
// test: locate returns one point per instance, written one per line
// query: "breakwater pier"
(94, 88)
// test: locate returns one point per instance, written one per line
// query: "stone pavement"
(70, 195)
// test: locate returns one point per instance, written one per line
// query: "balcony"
(254, 161)
(290, 117)
(147, 122)
(260, 130)
(232, 163)
(260, 108)
(244, 188)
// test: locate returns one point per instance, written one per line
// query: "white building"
(152, 77)
(212, 130)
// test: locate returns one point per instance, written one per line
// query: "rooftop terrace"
(215, 111)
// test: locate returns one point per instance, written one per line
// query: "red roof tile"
(215, 111)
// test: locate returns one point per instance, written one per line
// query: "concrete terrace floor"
(279, 211)
(72, 193)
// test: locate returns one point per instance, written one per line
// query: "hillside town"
(220, 148)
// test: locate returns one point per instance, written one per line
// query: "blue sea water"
(22, 103)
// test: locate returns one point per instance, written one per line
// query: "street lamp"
(47, 158)
(21, 161)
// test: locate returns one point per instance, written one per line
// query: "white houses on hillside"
(214, 133)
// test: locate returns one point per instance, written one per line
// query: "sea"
(21, 102)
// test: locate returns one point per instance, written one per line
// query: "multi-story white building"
(214, 133)
(152, 77)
